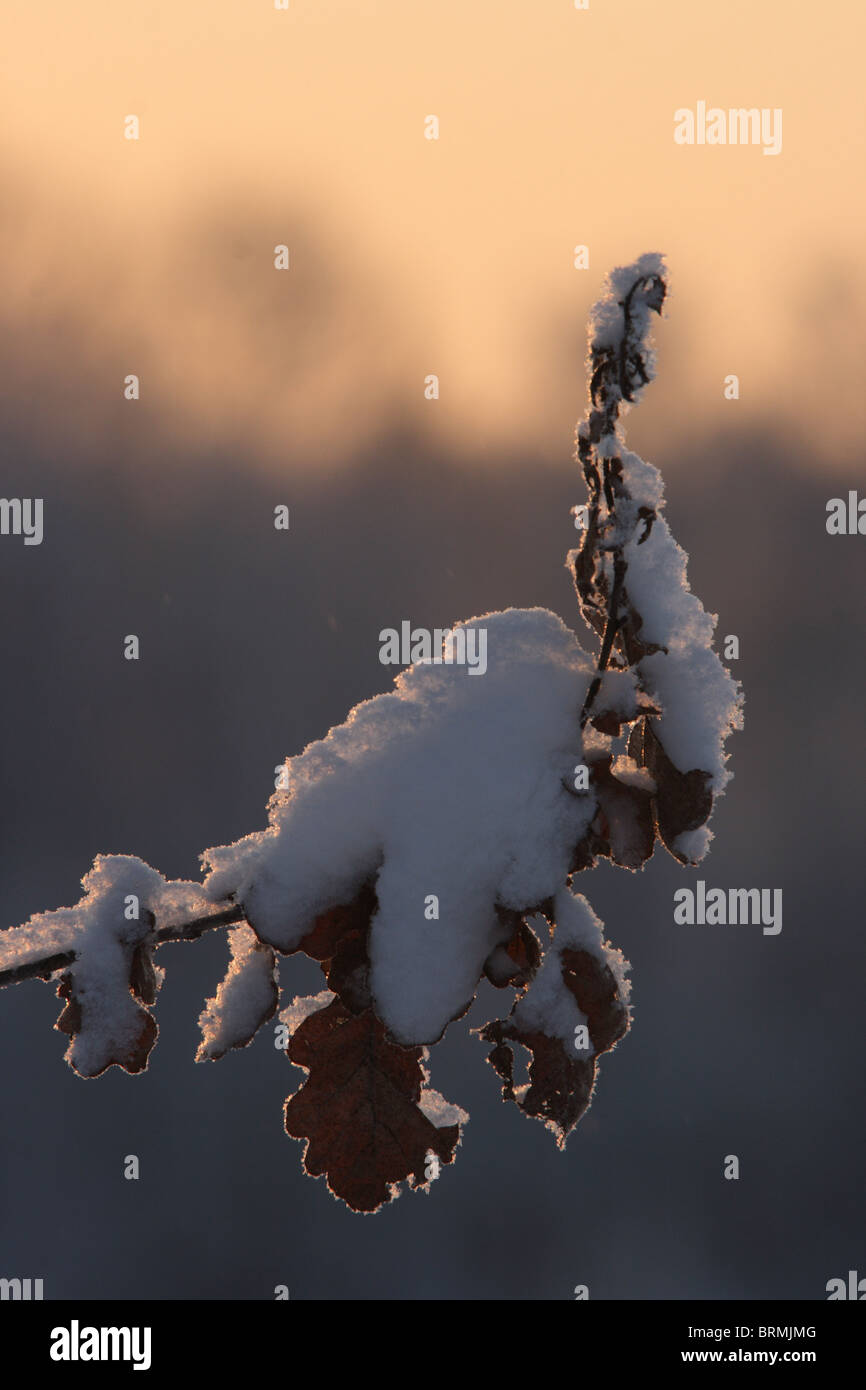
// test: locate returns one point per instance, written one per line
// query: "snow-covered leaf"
(246, 998)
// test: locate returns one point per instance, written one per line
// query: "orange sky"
(412, 256)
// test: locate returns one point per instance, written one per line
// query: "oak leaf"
(359, 1108)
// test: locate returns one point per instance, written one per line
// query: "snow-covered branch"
(27, 947)
(431, 840)
(630, 577)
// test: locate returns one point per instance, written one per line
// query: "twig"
(44, 966)
(615, 372)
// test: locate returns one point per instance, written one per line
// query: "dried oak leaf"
(515, 962)
(338, 941)
(143, 979)
(330, 928)
(561, 1082)
(358, 1109)
(624, 821)
(683, 800)
(595, 989)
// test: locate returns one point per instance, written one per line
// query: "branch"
(619, 368)
(638, 601)
(43, 967)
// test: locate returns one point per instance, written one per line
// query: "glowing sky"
(412, 256)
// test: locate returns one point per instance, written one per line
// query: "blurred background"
(409, 257)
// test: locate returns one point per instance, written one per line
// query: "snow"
(658, 589)
(548, 1006)
(606, 318)
(499, 965)
(644, 481)
(45, 934)
(631, 774)
(439, 1111)
(608, 332)
(242, 1000)
(303, 1006)
(693, 844)
(618, 692)
(105, 939)
(700, 702)
(445, 786)
(65, 928)
(179, 901)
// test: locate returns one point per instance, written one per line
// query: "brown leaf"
(586, 851)
(338, 941)
(517, 961)
(683, 800)
(142, 976)
(626, 827)
(328, 930)
(616, 703)
(358, 1108)
(69, 1021)
(622, 828)
(594, 986)
(561, 1082)
(607, 722)
(348, 972)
